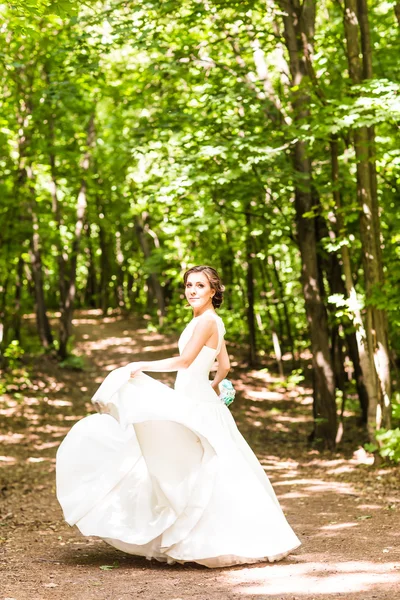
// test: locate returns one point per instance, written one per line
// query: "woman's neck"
(201, 312)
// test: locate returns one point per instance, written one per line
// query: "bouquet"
(227, 392)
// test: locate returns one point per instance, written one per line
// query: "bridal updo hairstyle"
(214, 280)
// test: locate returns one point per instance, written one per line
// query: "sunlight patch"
(316, 578)
(8, 459)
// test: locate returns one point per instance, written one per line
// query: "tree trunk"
(285, 311)
(367, 73)
(68, 307)
(16, 325)
(141, 228)
(340, 375)
(275, 299)
(384, 360)
(130, 292)
(119, 256)
(25, 189)
(267, 283)
(397, 12)
(4, 316)
(299, 31)
(356, 341)
(338, 287)
(250, 296)
(62, 257)
(42, 321)
(333, 271)
(105, 267)
(90, 297)
(227, 262)
(376, 330)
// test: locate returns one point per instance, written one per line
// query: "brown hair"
(214, 281)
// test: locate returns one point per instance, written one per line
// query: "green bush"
(16, 375)
(396, 407)
(13, 354)
(73, 363)
(388, 439)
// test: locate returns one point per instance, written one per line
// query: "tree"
(379, 391)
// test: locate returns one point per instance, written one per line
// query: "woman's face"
(198, 291)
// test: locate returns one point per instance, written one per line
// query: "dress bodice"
(195, 379)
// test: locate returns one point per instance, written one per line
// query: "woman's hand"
(136, 368)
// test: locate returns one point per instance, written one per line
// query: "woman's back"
(195, 379)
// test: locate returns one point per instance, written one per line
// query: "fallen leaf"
(109, 567)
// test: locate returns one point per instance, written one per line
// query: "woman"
(165, 473)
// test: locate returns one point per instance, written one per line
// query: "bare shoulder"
(209, 316)
(206, 322)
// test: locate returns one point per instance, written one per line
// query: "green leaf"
(115, 565)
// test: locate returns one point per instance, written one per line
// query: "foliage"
(16, 374)
(190, 162)
(115, 565)
(73, 363)
(41, 7)
(13, 354)
(388, 445)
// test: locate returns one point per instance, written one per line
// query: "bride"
(164, 473)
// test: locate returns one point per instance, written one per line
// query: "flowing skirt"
(170, 477)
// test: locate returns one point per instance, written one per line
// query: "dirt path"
(345, 511)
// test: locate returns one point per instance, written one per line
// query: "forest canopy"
(261, 137)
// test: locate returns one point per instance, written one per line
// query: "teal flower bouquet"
(227, 392)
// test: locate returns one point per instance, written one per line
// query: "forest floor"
(345, 511)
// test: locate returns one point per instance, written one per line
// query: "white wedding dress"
(166, 474)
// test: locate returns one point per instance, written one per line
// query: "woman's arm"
(201, 334)
(223, 367)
